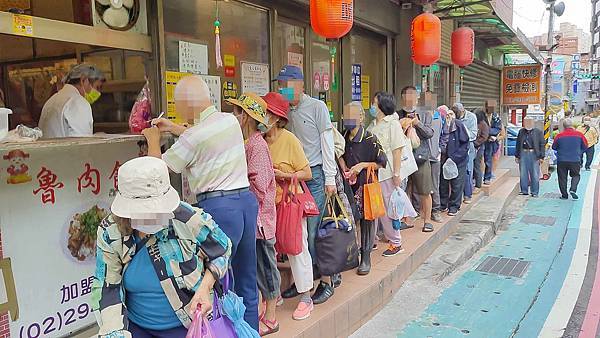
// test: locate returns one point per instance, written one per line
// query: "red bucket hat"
(277, 104)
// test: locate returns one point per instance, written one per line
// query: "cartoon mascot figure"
(18, 170)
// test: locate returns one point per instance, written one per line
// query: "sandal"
(272, 327)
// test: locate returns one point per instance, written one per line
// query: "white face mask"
(151, 224)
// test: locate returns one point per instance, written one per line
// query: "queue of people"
(245, 170)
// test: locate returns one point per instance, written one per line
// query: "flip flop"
(272, 327)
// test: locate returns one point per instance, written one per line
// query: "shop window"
(243, 33)
(322, 83)
(439, 83)
(288, 45)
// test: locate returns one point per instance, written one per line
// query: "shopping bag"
(288, 233)
(400, 205)
(335, 243)
(373, 197)
(450, 170)
(200, 327)
(306, 199)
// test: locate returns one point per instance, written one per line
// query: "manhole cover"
(504, 266)
(552, 195)
(543, 220)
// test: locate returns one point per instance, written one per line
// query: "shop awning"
(484, 17)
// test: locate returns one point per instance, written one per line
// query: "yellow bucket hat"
(253, 105)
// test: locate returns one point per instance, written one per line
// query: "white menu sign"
(255, 78)
(193, 58)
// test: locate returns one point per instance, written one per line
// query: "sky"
(531, 17)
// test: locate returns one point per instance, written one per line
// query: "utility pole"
(548, 73)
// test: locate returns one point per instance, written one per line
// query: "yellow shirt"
(287, 155)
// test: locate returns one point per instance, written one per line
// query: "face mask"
(288, 93)
(143, 226)
(92, 96)
(373, 111)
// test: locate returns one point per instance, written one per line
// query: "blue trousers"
(488, 154)
(236, 215)
(139, 332)
(317, 190)
(529, 170)
(468, 191)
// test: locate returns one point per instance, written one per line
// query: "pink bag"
(288, 234)
(306, 199)
(200, 327)
(140, 116)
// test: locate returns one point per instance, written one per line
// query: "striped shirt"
(211, 153)
(192, 245)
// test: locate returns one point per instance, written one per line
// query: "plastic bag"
(200, 327)
(450, 170)
(141, 113)
(23, 134)
(400, 205)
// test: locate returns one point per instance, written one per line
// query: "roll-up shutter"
(480, 82)
(447, 28)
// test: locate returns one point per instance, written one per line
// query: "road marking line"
(589, 328)
(557, 320)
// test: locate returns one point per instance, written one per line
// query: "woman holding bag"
(362, 153)
(289, 162)
(251, 112)
(386, 127)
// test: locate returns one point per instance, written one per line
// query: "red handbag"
(306, 199)
(288, 233)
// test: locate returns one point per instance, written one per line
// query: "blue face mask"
(349, 124)
(373, 111)
(288, 93)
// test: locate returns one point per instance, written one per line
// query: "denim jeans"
(317, 190)
(488, 155)
(477, 172)
(589, 157)
(529, 170)
(468, 190)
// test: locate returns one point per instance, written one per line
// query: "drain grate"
(543, 220)
(552, 195)
(504, 266)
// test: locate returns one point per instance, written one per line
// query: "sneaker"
(574, 195)
(375, 247)
(303, 310)
(436, 217)
(564, 197)
(392, 250)
(534, 195)
(467, 200)
(476, 191)
(587, 169)
(486, 182)
(523, 194)
(452, 212)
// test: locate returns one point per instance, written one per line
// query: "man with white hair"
(529, 154)
(68, 113)
(569, 145)
(211, 155)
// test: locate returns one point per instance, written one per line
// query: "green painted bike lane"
(489, 305)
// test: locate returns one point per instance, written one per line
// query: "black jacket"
(537, 140)
(458, 143)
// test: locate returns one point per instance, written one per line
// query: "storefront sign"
(296, 59)
(22, 24)
(214, 85)
(317, 81)
(325, 79)
(521, 85)
(229, 90)
(365, 88)
(229, 60)
(255, 78)
(229, 71)
(356, 83)
(193, 58)
(48, 233)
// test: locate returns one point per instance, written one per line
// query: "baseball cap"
(289, 72)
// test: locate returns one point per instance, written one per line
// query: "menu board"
(255, 78)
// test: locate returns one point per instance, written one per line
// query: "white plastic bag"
(450, 169)
(400, 205)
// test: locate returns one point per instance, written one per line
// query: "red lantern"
(426, 39)
(463, 46)
(331, 19)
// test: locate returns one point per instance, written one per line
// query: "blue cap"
(289, 72)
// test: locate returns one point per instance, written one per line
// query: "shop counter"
(53, 193)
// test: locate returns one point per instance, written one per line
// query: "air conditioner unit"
(121, 15)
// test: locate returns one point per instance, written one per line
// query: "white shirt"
(390, 135)
(66, 114)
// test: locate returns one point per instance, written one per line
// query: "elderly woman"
(386, 127)
(157, 258)
(251, 112)
(289, 160)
